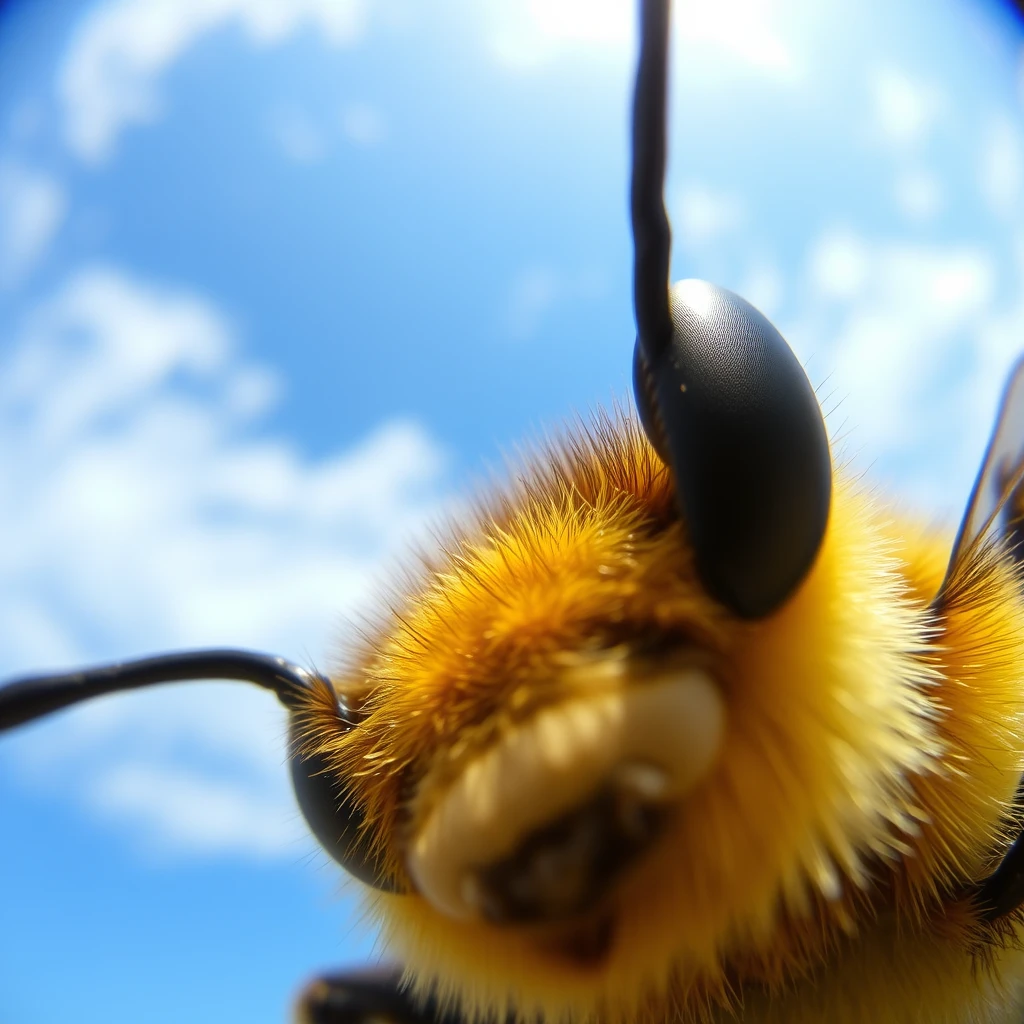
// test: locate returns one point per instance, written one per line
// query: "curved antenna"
(33, 697)
(333, 818)
(652, 235)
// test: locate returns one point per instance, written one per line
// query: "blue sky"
(280, 280)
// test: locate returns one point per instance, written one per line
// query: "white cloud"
(1001, 167)
(34, 628)
(251, 391)
(741, 28)
(181, 811)
(999, 344)
(918, 194)
(32, 207)
(527, 34)
(363, 124)
(764, 288)
(144, 509)
(839, 264)
(905, 109)
(110, 77)
(902, 316)
(701, 215)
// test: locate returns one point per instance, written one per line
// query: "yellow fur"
(818, 872)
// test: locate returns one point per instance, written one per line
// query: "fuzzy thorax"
(865, 759)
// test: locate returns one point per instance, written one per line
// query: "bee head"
(589, 784)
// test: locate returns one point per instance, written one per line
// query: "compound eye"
(729, 408)
(720, 393)
(335, 820)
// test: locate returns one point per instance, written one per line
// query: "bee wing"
(993, 507)
(373, 996)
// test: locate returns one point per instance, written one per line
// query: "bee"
(683, 723)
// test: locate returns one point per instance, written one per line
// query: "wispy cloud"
(900, 317)
(895, 340)
(185, 811)
(145, 507)
(742, 29)
(764, 287)
(530, 33)
(702, 214)
(111, 75)
(839, 263)
(906, 109)
(32, 208)
(1001, 169)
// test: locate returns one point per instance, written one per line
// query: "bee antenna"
(332, 816)
(721, 396)
(33, 697)
(652, 234)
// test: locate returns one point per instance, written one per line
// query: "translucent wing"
(996, 510)
(997, 499)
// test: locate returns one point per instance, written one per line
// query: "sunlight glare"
(529, 33)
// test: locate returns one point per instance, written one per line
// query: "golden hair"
(818, 870)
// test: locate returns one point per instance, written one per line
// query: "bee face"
(594, 787)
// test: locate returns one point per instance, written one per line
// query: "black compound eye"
(335, 820)
(721, 395)
(729, 408)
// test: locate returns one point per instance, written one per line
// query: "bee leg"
(371, 996)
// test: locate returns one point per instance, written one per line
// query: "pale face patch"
(554, 793)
